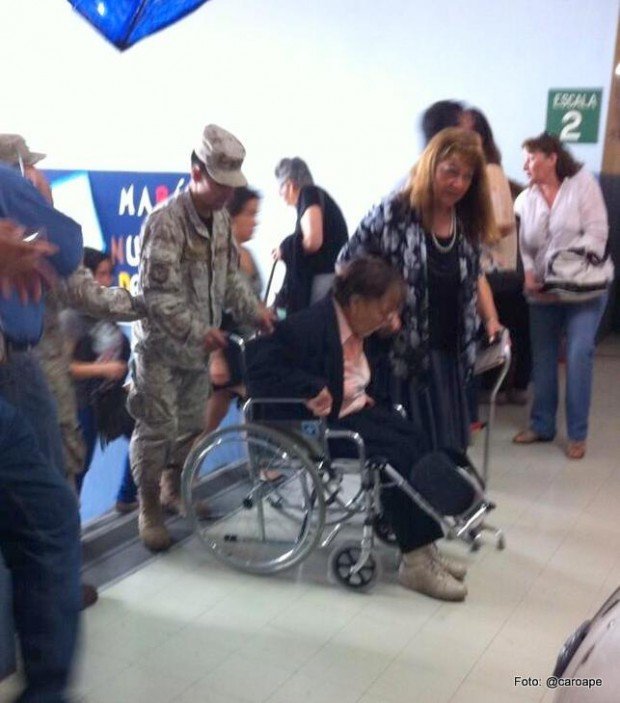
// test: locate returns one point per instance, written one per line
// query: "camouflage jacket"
(188, 276)
(80, 291)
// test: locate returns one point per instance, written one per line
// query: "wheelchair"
(276, 494)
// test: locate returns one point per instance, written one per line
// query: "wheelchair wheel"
(341, 561)
(247, 473)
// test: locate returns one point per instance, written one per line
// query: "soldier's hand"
(215, 339)
(265, 319)
(321, 404)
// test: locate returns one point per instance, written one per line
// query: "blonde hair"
(474, 209)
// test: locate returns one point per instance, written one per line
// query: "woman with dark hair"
(502, 266)
(562, 208)
(320, 232)
(100, 353)
(224, 365)
(442, 114)
(319, 354)
(431, 232)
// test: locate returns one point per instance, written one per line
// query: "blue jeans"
(548, 324)
(23, 385)
(40, 543)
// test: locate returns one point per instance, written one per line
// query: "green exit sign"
(574, 113)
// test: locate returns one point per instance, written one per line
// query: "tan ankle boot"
(151, 525)
(170, 492)
(452, 566)
(170, 496)
(420, 572)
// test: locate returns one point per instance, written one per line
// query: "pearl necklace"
(446, 248)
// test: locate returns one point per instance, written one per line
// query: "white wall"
(339, 82)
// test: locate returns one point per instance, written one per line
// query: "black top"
(302, 267)
(443, 296)
(335, 234)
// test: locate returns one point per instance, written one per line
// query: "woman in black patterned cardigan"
(432, 232)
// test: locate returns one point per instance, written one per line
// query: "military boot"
(170, 492)
(171, 499)
(151, 525)
(419, 571)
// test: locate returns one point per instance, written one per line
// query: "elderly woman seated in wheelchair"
(319, 354)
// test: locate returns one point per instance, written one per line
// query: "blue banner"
(124, 22)
(111, 206)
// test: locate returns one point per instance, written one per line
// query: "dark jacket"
(300, 358)
(303, 356)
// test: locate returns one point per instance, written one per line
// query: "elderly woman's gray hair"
(295, 170)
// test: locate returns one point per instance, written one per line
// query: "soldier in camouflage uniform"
(81, 292)
(188, 274)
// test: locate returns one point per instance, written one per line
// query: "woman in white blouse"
(563, 207)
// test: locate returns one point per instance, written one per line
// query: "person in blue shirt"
(39, 520)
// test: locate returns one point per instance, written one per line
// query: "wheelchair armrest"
(253, 403)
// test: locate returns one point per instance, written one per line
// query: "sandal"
(529, 437)
(576, 450)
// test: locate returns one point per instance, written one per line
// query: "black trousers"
(513, 312)
(386, 434)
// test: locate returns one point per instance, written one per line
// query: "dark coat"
(300, 358)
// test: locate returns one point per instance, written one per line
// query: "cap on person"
(222, 155)
(13, 148)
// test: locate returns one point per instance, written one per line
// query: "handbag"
(577, 275)
(493, 353)
(111, 416)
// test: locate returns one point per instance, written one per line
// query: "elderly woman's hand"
(321, 404)
(276, 254)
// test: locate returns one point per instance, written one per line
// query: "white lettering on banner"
(132, 250)
(146, 206)
(572, 101)
(126, 203)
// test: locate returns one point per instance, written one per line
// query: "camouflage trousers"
(61, 384)
(168, 406)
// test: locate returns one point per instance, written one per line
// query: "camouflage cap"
(222, 154)
(13, 147)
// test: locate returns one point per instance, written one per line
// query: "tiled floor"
(184, 628)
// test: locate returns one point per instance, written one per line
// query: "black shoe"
(89, 595)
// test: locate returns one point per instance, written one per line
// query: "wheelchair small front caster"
(341, 561)
(501, 541)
